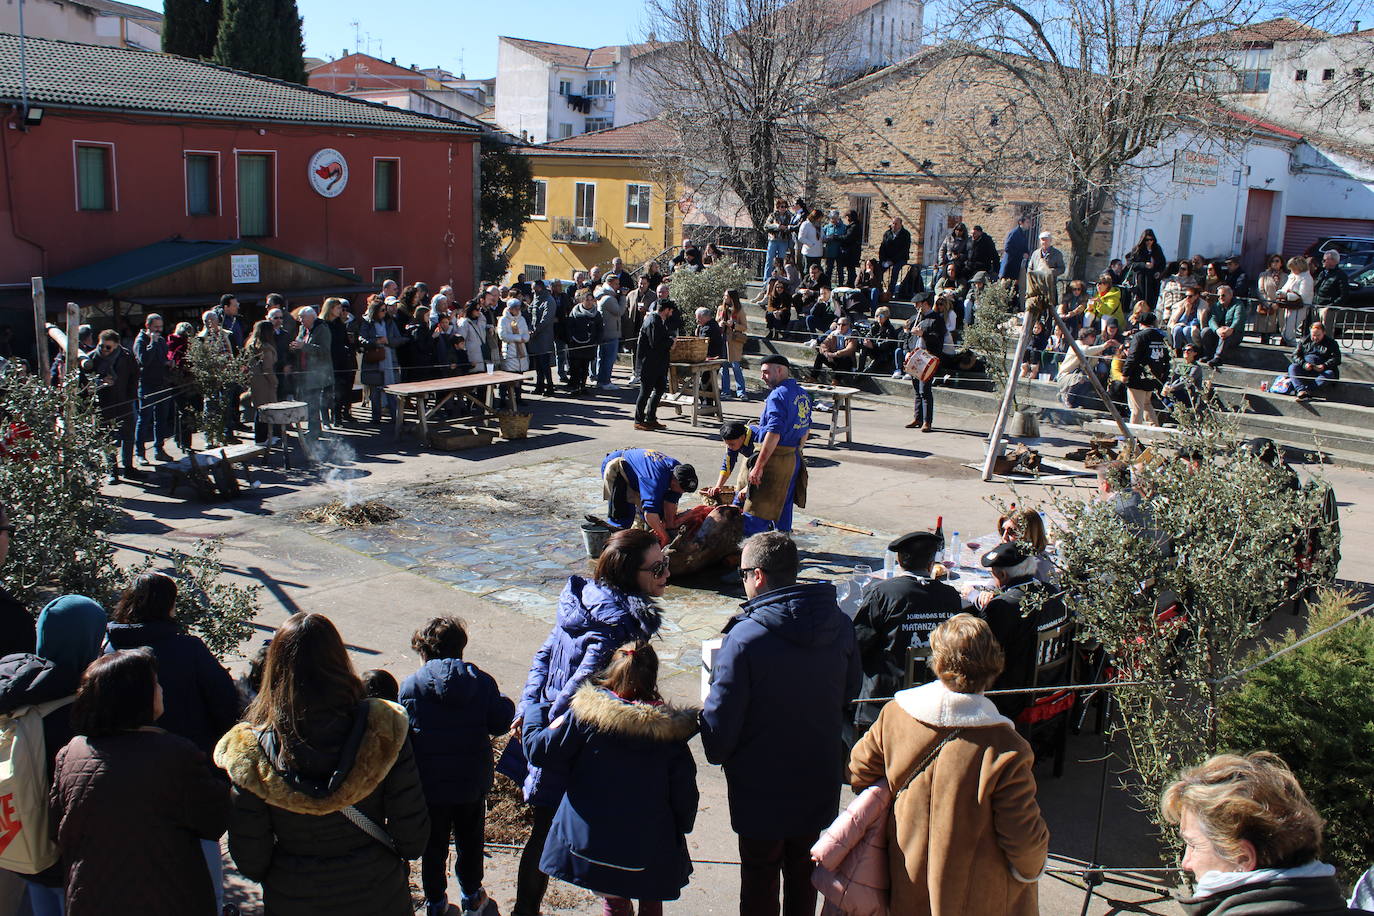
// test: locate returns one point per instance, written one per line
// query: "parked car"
(1361, 292)
(1345, 244)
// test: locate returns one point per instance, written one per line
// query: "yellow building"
(597, 197)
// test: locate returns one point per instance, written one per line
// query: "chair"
(1054, 663)
(917, 665)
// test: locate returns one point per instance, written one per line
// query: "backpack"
(27, 841)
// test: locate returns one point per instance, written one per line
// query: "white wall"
(72, 22)
(522, 92)
(884, 33)
(1307, 182)
(1314, 104)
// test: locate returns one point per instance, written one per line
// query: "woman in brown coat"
(966, 835)
(262, 372)
(132, 802)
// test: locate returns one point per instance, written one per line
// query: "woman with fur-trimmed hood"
(327, 804)
(621, 829)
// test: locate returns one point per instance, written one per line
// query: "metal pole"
(40, 331)
(995, 439)
(1092, 378)
(1093, 876)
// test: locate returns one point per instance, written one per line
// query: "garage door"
(1300, 232)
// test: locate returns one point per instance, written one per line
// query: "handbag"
(374, 354)
(921, 365)
(827, 880)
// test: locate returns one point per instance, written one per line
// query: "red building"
(119, 150)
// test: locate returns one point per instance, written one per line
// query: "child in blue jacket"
(621, 829)
(455, 708)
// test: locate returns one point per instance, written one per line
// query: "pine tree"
(190, 27)
(263, 37)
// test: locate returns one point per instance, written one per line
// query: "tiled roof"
(627, 140)
(141, 265)
(573, 56)
(128, 10)
(1280, 29)
(64, 74)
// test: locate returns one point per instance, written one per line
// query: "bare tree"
(736, 82)
(1095, 90)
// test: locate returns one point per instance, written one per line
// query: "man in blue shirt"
(646, 481)
(777, 477)
(1016, 250)
(741, 440)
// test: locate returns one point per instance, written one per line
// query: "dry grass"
(358, 515)
(508, 817)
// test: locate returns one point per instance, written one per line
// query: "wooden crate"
(689, 350)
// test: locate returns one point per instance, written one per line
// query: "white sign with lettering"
(328, 173)
(1195, 168)
(243, 268)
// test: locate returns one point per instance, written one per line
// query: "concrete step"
(1242, 380)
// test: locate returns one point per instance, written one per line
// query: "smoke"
(337, 455)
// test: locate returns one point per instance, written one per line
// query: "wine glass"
(974, 546)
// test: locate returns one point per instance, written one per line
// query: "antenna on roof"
(357, 35)
(462, 75)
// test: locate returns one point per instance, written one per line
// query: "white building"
(1298, 77)
(91, 22)
(548, 91)
(1275, 192)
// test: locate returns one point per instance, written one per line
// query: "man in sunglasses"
(775, 719)
(647, 482)
(111, 369)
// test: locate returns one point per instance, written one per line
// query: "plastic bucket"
(594, 538)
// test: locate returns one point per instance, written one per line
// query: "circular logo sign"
(328, 173)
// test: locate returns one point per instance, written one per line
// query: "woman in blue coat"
(595, 617)
(631, 798)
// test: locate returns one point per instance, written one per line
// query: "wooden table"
(686, 388)
(212, 470)
(468, 386)
(841, 399)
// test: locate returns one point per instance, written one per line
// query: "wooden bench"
(476, 387)
(841, 400)
(212, 472)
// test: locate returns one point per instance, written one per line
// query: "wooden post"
(40, 332)
(70, 366)
(995, 440)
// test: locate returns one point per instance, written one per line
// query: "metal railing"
(571, 232)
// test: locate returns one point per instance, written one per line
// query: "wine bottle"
(940, 530)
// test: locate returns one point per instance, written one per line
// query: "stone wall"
(935, 142)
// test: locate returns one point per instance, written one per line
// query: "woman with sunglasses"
(595, 617)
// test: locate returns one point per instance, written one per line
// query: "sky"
(429, 33)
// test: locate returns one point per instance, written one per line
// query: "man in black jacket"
(982, 252)
(655, 341)
(1147, 368)
(1013, 567)
(1329, 286)
(893, 253)
(113, 372)
(895, 615)
(1316, 362)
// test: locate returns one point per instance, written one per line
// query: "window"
(637, 201)
(534, 272)
(202, 184)
(94, 177)
(1364, 105)
(564, 131)
(864, 205)
(1253, 73)
(599, 124)
(565, 87)
(600, 87)
(1328, 75)
(541, 199)
(1185, 233)
(386, 184)
(1300, 76)
(381, 274)
(255, 195)
(584, 210)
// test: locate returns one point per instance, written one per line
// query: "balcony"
(577, 232)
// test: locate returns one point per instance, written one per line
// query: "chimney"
(1354, 25)
(345, 53)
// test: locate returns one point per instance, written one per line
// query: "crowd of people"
(326, 783)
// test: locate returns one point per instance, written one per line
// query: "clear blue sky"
(437, 34)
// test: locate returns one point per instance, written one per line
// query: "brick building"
(908, 141)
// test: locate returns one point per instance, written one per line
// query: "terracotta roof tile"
(628, 139)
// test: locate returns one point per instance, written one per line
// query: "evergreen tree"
(190, 27)
(262, 37)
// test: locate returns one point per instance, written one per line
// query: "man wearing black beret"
(1013, 566)
(895, 615)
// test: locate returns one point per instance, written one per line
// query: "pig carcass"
(707, 536)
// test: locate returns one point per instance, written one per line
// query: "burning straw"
(357, 515)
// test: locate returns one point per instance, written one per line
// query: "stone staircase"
(1339, 421)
